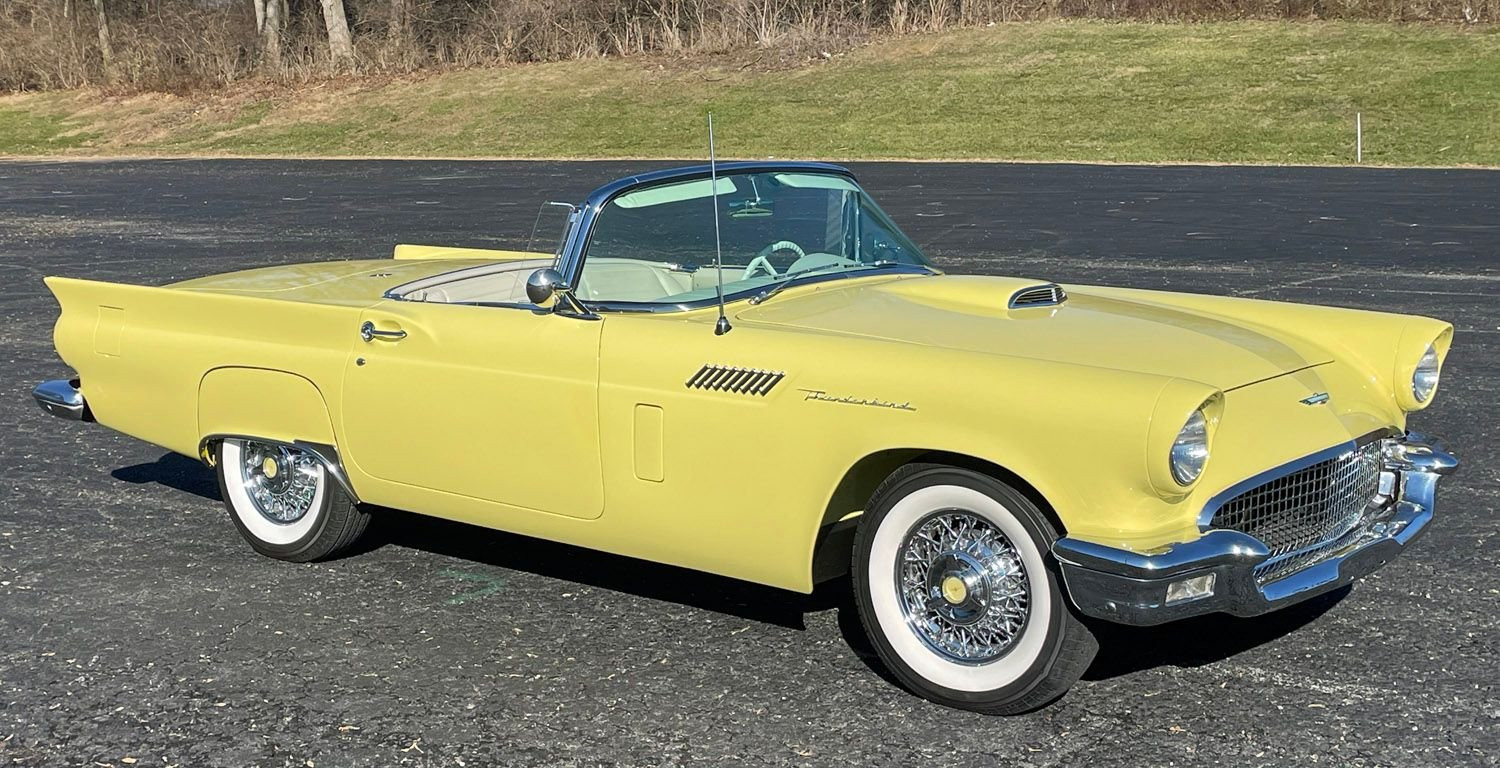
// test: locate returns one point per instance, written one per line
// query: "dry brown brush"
(187, 44)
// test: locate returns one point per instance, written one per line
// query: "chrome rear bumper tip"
(62, 399)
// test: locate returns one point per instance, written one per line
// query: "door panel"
(493, 403)
(714, 479)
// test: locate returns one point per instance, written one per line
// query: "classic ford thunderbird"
(749, 370)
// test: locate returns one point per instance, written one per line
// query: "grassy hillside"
(1258, 92)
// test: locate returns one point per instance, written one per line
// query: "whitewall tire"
(957, 593)
(284, 502)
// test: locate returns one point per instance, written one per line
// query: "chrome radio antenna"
(721, 326)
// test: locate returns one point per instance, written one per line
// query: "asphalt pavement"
(136, 628)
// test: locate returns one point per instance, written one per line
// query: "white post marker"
(1359, 139)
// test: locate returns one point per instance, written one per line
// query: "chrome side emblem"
(819, 394)
(1317, 398)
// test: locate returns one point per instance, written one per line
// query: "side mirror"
(543, 284)
(546, 284)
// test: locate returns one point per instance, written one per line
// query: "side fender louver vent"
(1049, 295)
(744, 381)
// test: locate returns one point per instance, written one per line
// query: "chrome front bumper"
(62, 399)
(1132, 588)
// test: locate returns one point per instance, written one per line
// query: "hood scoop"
(1047, 295)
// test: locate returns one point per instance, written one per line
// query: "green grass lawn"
(1243, 92)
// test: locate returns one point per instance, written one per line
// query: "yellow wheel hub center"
(955, 590)
(269, 467)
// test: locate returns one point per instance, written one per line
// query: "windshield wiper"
(790, 277)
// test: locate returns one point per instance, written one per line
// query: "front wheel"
(284, 503)
(955, 592)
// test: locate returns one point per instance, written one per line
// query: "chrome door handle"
(368, 332)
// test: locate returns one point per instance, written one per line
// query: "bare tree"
(400, 27)
(340, 44)
(273, 22)
(105, 51)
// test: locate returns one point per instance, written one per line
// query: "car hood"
(967, 313)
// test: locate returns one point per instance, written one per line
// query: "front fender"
(1077, 435)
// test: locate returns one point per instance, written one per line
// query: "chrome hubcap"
(963, 587)
(281, 481)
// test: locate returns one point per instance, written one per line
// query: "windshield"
(655, 245)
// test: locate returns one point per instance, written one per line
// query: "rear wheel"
(284, 503)
(954, 587)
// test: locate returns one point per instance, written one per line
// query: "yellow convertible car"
(749, 370)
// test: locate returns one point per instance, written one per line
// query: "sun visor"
(674, 193)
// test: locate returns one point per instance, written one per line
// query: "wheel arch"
(271, 406)
(834, 538)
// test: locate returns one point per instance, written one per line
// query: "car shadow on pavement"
(617, 573)
(1198, 641)
(174, 471)
(538, 556)
(641, 578)
(1122, 650)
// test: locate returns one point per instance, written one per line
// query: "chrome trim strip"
(751, 293)
(326, 454)
(62, 399)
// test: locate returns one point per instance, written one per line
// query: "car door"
(492, 403)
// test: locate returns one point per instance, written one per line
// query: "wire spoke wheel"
(281, 481)
(963, 587)
(951, 579)
(286, 501)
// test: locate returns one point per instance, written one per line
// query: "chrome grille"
(1286, 565)
(745, 381)
(1047, 295)
(1302, 517)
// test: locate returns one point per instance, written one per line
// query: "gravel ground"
(137, 629)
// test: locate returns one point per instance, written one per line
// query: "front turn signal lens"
(1191, 589)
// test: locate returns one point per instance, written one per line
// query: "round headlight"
(1425, 378)
(1190, 449)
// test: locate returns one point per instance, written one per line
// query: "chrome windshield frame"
(582, 226)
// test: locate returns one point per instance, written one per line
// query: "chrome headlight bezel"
(1424, 378)
(1181, 403)
(1420, 355)
(1190, 453)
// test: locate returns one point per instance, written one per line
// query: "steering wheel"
(760, 262)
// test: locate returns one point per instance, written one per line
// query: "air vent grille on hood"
(1049, 295)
